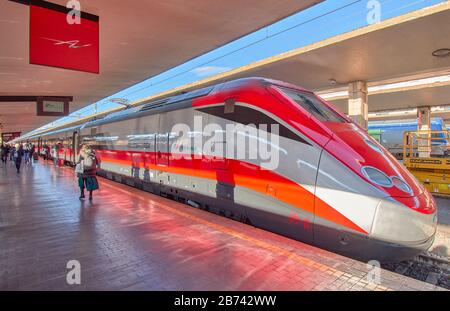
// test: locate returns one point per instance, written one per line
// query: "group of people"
(86, 166)
(51, 153)
(17, 154)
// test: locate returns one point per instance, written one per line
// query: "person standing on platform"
(11, 153)
(26, 153)
(18, 156)
(4, 153)
(33, 154)
(8, 152)
(45, 152)
(55, 154)
(48, 152)
(87, 171)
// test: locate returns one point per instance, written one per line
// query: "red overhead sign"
(56, 42)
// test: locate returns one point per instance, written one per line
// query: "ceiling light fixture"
(403, 112)
(389, 87)
(441, 53)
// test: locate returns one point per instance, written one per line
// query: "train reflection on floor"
(129, 239)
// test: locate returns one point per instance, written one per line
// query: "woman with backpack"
(87, 171)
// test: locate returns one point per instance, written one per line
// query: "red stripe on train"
(233, 172)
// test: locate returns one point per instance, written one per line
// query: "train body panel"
(322, 189)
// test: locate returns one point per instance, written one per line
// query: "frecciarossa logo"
(72, 44)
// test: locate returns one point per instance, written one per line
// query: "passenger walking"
(55, 154)
(4, 153)
(11, 153)
(26, 152)
(33, 154)
(18, 156)
(87, 171)
(9, 149)
(45, 152)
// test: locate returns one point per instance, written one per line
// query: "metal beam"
(21, 99)
(56, 7)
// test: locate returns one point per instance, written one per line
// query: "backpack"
(89, 162)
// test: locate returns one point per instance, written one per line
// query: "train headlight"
(376, 176)
(400, 184)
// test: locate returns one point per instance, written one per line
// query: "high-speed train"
(332, 185)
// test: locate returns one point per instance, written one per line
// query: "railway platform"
(127, 239)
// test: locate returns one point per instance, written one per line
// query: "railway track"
(427, 267)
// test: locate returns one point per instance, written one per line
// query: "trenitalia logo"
(72, 44)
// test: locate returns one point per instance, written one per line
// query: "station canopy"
(401, 102)
(137, 40)
(395, 50)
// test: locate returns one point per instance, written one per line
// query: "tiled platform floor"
(131, 240)
(441, 244)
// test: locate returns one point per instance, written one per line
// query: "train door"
(162, 142)
(150, 151)
(74, 147)
(145, 139)
(162, 157)
(67, 147)
(229, 198)
(39, 146)
(60, 148)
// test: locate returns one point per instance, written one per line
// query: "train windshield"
(314, 106)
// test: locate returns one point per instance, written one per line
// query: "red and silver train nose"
(380, 196)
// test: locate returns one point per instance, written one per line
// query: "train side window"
(248, 115)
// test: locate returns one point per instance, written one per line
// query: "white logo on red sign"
(72, 44)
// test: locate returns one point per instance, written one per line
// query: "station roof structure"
(404, 100)
(392, 49)
(395, 50)
(137, 41)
